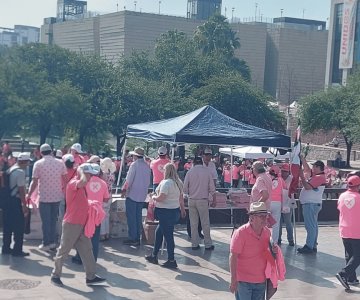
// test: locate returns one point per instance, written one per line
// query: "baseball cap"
(23, 156)
(320, 164)
(68, 157)
(76, 147)
(94, 159)
(353, 181)
(162, 150)
(58, 154)
(89, 168)
(207, 151)
(45, 147)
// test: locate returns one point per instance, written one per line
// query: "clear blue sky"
(32, 12)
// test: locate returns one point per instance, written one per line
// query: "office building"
(19, 35)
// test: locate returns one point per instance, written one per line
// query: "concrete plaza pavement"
(201, 274)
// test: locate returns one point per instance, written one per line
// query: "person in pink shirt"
(247, 258)
(276, 197)
(157, 166)
(262, 188)
(227, 175)
(349, 227)
(73, 228)
(75, 150)
(188, 164)
(235, 174)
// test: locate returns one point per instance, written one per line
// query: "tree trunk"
(120, 141)
(82, 134)
(44, 131)
(349, 145)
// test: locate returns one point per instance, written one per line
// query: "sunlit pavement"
(201, 274)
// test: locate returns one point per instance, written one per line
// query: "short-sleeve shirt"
(172, 192)
(17, 179)
(157, 168)
(211, 166)
(97, 189)
(76, 204)
(49, 172)
(314, 195)
(249, 249)
(263, 183)
(349, 217)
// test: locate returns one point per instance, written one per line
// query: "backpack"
(5, 190)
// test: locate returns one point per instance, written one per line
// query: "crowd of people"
(76, 190)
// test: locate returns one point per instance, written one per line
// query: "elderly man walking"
(199, 185)
(49, 174)
(136, 187)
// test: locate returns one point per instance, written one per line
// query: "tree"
(235, 97)
(337, 108)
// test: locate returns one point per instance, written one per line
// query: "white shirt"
(172, 192)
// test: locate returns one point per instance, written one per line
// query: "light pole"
(232, 14)
(135, 2)
(159, 6)
(256, 5)
(281, 12)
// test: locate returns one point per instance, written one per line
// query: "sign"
(348, 34)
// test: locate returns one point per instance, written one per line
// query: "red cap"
(353, 181)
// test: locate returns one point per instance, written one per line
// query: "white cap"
(162, 150)
(76, 147)
(59, 154)
(23, 156)
(89, 168)
(68, 157)
(45, 147)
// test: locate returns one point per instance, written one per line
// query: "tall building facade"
(286, 58)
(19, 35)
(203, 9)
(343, 51)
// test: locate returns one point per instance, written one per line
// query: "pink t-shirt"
(97, 189)
(157, 167)
(349, 217)
(235, 171)
(49, 172)
(227, 175)
(263, 183)
(278, 185)
(249, 248)
(78, 160)
(76, 204)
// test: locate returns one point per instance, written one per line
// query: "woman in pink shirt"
(278, 184)
(227, 175)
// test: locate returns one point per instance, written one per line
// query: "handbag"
(27, 219)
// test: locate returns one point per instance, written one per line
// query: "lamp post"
(159, 6)
(135, 2)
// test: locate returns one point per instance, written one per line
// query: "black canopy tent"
(206, 125)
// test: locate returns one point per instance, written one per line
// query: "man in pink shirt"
(73, 228)
(247, 258)
(157, 166)
(262, 188)
(49, 174)
(349, 227)
(76, 150)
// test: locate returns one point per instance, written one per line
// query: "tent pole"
(121, 165)
(172, 153)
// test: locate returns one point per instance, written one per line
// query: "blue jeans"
(250, 291)
(134, 218)
(49, 216)
(167, 219)
(310, 213)
(95, 244)
(286, 218)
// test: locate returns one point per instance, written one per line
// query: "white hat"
(162, 150)
(68, 157)
(45, 147)
(89, 169)
(107, 165)
(207, 151)
(76, 147)
(93, 159)
(23, 156)
(58, 154)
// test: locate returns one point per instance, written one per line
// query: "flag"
(295, 162)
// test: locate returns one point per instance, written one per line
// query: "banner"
(348, 34)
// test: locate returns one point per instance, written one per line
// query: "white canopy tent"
(251, 152)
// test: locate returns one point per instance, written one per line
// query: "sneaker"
(212, 247)
(354, 282)
(56, 281)
(291, 243)
(52, 246)
(96, 281)
(305, 250)
(20, 254)
(131, 243)
(44, 248)
(343, 281)
(170, 264)
(152, 259)
(196, 247)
